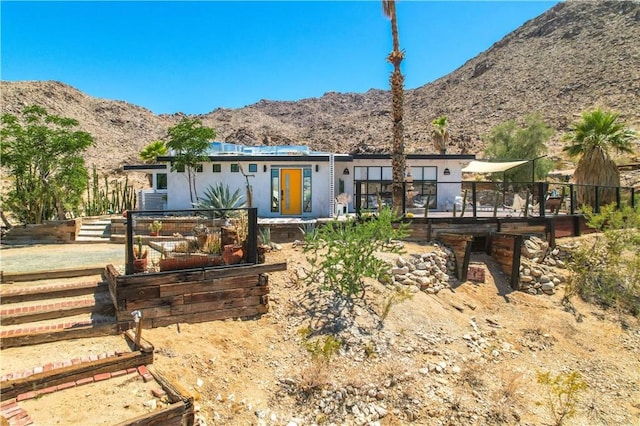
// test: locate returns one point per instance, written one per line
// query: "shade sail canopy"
(488, 167)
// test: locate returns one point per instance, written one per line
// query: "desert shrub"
(323, 349)
(562, 394)
(608, 273)
(341, 254)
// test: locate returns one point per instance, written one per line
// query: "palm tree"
(440, 134)
(398, 159)
(150, 152)
(593, 138)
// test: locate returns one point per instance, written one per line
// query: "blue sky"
(193, 57)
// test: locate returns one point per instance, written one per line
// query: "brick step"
(50, 289)
(77, 326)
(39, 310)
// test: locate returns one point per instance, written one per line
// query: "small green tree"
(563, 394)
(342, 253)
(189, 140)
(508, 141)
(43, 154)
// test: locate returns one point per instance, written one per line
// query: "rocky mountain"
(576, 56)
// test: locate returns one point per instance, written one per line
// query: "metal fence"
(160, 241)
(486, 198)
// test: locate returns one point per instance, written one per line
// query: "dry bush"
(473, 375)
(313, 378)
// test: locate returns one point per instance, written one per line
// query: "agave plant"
(220, 198)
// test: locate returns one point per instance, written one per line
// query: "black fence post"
(404, 198)
(543, 188)
(633, 198)
(572, 207)
(129, 248)
(474, 198)
(252, 244)
(358, 203)
(597, 202)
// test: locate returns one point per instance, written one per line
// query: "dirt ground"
(469, 355)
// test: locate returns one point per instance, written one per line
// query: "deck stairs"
(96, 230)
(49, 310)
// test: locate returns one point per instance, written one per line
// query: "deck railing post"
(474, 198)
(358, 204)
(543, 188)
(572, 207)
(129, 248)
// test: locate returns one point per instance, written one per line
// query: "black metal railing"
(486, 198)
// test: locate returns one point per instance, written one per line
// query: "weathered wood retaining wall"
(54, 231)
(506, 251)
(461, 246)
(192, 295)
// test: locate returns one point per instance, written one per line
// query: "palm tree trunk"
(398, 158)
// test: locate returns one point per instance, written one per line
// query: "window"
(199, 168)
(253, 168)
(235, 167)
(375, 188)
(217, 168)
(179, 168)
(425, 186)
(306, 190)
(161, 181)
(275, 190)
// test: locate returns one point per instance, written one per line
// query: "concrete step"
(51, 330)
(49, 289)
(39, 310)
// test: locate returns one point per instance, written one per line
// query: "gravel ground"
(40, 257)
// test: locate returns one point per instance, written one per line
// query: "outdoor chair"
(519, 205)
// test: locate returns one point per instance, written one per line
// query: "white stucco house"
(293, 181)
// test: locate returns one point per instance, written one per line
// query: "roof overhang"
(490, 167)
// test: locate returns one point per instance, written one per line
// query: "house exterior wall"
(448, 186)
(179, 197)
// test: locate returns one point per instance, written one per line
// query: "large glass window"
(306, 190)
(275, 190)
(217, 168)
(425, 186)
(376, 186)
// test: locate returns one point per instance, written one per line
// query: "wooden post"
(515, 266)
(137, 318)
(252, 244)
